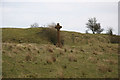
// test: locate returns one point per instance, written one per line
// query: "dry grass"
(61, 53)
(92, 59)
(50, 59)
(28, 57)
(95, 53)
(3, 51)
(50, 50)
(15, 51)
(60, 73)
(65, 50)
(110, 61)
(103, 68)
(53, 59)
(81, 50)
(9, 54)
(72, 57)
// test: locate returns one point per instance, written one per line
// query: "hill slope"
(30, 54)
(35, 35)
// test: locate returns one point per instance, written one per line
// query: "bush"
(114, 39)
(110, 31)
(51, 34)
(94, 26)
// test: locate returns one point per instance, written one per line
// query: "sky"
(72, 15)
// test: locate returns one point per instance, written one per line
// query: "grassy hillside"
(28, 53)
(35, 35)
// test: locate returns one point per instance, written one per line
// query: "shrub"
(94, 26)
(114, 39)
(51, 34)
(110, 31)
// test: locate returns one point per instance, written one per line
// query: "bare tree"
(91, 24)
(110, 31)
(94, 26)
(34, 25)
(52, 25)
(86, 31)
(98, 28)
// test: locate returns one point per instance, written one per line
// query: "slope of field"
(27, 53)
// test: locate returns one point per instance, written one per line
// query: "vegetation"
(30, 54)
(50, 34)
(35, 25)
(94, 26)
(110, 31)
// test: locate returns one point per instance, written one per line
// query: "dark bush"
(114, 39)
(110, 31)
(51, 34)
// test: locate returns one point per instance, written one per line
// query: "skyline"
(72, 16)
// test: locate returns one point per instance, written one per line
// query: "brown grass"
(50, 49)
(72, 57)
(92, 59)
(110, 61)
(3, 51)
(28, 57)
(50, 59)
(15, 51)
(9, 54)
(95, 53)
(61, 53)
(103, 68)
(60, 73)
(54, 59)
(65, 50)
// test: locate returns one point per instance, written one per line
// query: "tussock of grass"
(72, 57)
(103, 68)
(50, 59)
(28, 57)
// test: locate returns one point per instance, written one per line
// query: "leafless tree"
(94, 26)
(34, 25)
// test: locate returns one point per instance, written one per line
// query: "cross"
(58, 27)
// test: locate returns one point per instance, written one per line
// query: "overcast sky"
(70, 14)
